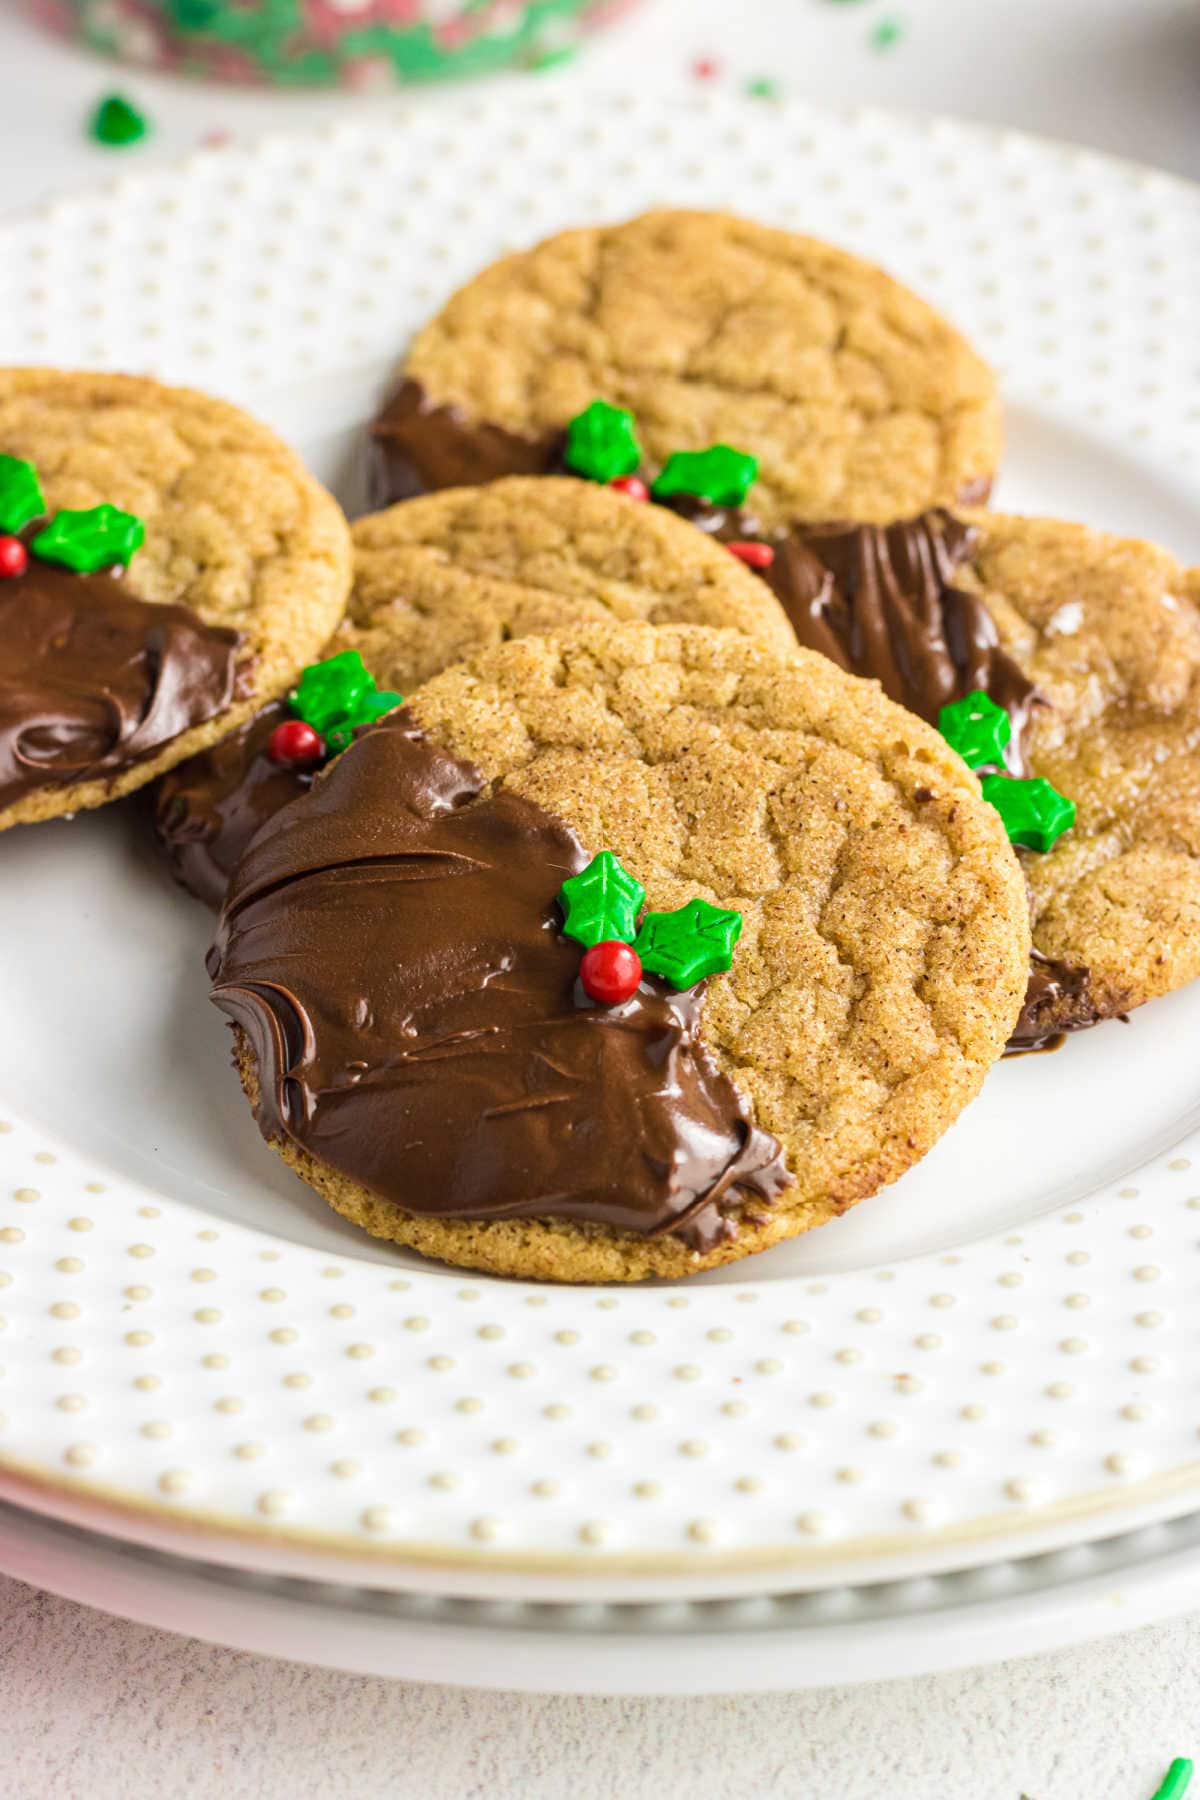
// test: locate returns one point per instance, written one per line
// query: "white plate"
(770, 1642)
(996, 1354)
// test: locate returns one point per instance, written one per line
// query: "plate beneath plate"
(773, 1643)
(993, 1353)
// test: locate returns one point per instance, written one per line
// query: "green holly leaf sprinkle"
(329, 692)
(373, 706)
(686, 945)
(337, 695)
(98, 538)
(601, 903)
(117, 122)
(1035, 814)
(977, 728)
(602, 442)
(720, 474)
(370, 707)
(21, 497)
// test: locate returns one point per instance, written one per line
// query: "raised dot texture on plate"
(821, 1399)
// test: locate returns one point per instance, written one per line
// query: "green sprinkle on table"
(117, 122)
(1176, 1781)
(763, 88)
(887, 34)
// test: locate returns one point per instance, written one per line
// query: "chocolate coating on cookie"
(416, 447)
(881, 602)
(206, 810)
(93, 680)
(860, 401)
(437, 579)
(391, 948)
(1058, 1000)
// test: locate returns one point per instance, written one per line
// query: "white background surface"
(91, 1706)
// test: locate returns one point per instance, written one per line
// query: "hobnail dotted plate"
(757, 1643)
(997, 1353)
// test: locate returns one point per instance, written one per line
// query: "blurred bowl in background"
(362, 45)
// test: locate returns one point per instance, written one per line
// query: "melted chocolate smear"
(1057, 1000)
(417, 447)
(391, 947)
(93, 680)
(880, 601)
(207, 809)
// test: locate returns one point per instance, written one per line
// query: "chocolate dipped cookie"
(165, 564)
(622, 954)
(442, 578)
(858, 400)
(1064, 663)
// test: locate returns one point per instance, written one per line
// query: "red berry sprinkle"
(610, 972)
(295, 745)
(14, 558)
(755, 556)
(632, 486)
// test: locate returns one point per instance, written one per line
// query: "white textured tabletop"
(92, 1706)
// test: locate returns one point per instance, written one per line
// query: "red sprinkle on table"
(610, 972)
(14, 558)
(755, 556)
(295, 745)
(632, 486)
(705, 68)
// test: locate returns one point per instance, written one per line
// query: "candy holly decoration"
(610, 972)
(977, 728)
(753, 554)
(338, 695)
(601, 902)
(14, 558)
(295, 745)
(21, 499)
(1035, 814)
(600, 907)
(602, 443)
(98, 538)
(721, 475)
(686, 945)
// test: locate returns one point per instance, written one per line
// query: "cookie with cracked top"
(166, 562)
(1090, 644)
(443, 577)
(411, 1027)
(857, 398)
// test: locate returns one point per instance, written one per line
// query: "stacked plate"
(960, 1423)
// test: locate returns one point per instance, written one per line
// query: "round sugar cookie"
(411, 1024)
(166, 563)
(858, 400)
(444, 577)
